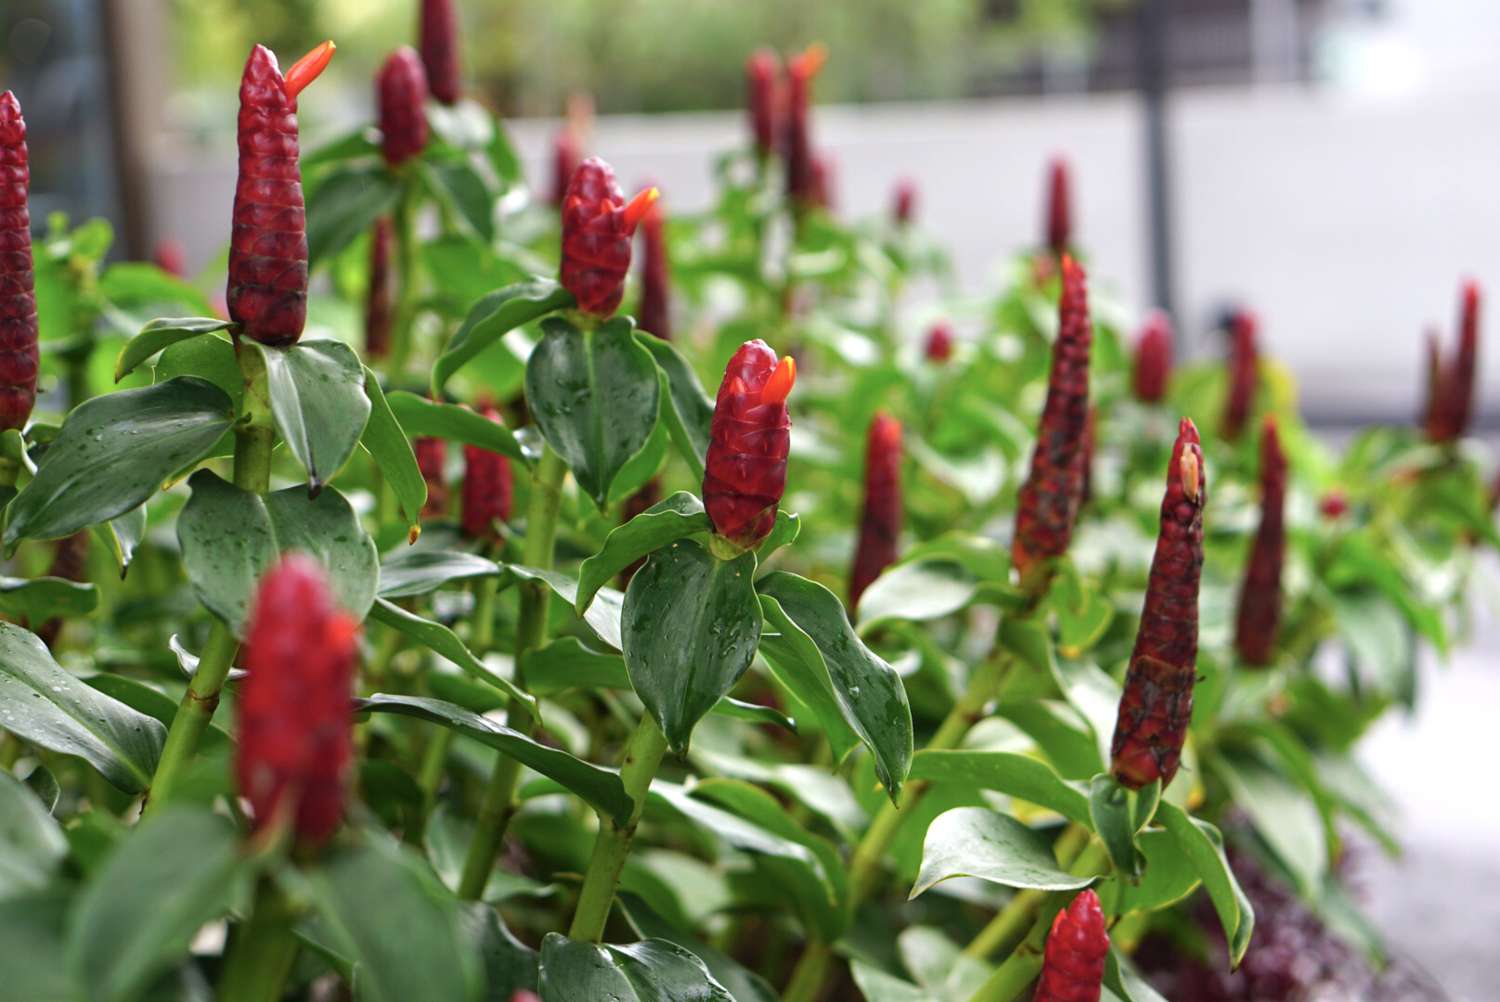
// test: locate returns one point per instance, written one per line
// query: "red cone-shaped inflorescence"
(438, 38)
(1086, 457)
(1451, 400)
(1242, 373)
(295, 709)
(1049, 500)
(745, 472)
(656, 276)
(401, 95)
(487, 488)
(18, 323)
(567, 156)
(1073, 961)
(378, 297)
(880, 522)
(801, 170)
(1059, 207)
(939, 346)
(432, 461)
(170, 257)
(1259, 614)
(904, 206)
(597, 226)
(267, 292)
(824, 182)
(1333, 504)
(1158, 699)
(761, 72)
(1153, 358)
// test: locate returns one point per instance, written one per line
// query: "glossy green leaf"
(40, 599)
(460, 189)
(32, 845)
(385, 910)
(509, 965)
(599, 787)
(1167, 876)
(1083, 614)
(138, 915)
(1113, 820)
(689, 630)
(744, 985)
(43, 704)
(31, 948)
(493, 317)
(1283, 813)
(877, 986)
(1012, 774)
(445, 642)
(417, 571)
(114, 452)
(978, 842)
(231, 537)
(603, 614)
(689, 410)
(1122, 979)
(122, 534)
(666, 521)
(649, 971)
(392, 453)
(595, 396)
(159, 334)
(318, 399)
(938, 964)
(343, 203)
(868, 691)
(1202, 844)
(423, 417)
(799, 666)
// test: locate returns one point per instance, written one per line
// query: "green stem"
(531, 628)
(404, 224)
(263, 952)
(808, 976)
(612, 846)
(1012, 920)
(482, 639)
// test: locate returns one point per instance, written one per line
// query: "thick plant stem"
(1012, 921)
(263, 952)
(612, 846)
(809, 974)
(406, 273)
(531, 629)
(254, 440)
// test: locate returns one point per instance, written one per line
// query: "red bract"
(567, 156)
(1059, 207)
(1451, 398)
(880, 522)
(597, 226)
(904, 209)
(432, 460)
(939, 347)
(745, 471)
(1260, 595)
(18, 322)
(1242, 363)
(438, 38)
(401, 95)
(1086, 457)
(761, 70)
(267, 292)
(295, 711)
(656, 277)
(1153, 358)
(1158, 699)
(1048, 501)
(824, 182)
(378, 315)
(170, 258)
(1073, 961)
(487, 488)
(801, 172)
(1333, 504)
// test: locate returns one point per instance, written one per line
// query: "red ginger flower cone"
(880, 521)
(1073, 960)
(801, 169)
(18, 320)
(904, 207)
(267, 292)
(656, 276)
(567, 156)
(749, 439)
(488, 487)
(1259, 614)
(432, 460)
(1451, 400)
(1158, 699)
(761, 71)
(939, 346)
(1153, 359)
(438, 40)
(1059, 207)
(1048, 502)
(1242, 373)
(379, 300)
(597, 225)
(170, 257)
(295, 712)
(401, 94)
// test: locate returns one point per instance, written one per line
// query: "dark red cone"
(401, 94)
(1451, 401)
(1153, 358)
(761, 72)
(1073, 961)
(18, 321)
(1259, 614)
(379, 300)
(939, 347)
(745, 472)
(439, 43)
(597, 225)
(656, 276)
(904, 207)
(488, 488)
(432, 460)
(1242, 374)
(880, 522)
(801, 171)
(1059, 207)
(567, 156)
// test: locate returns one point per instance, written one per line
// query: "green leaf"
(1121, 979)
(978, 842)
(392, 452)
(122, 534)
(31, 948)
(603, 615)
(231, 537)
(868, 691)
(412, 571)
(1083, 614)
(649, 971)
(1284, 814)
(1114, 821)
(877, 986)
(423, 417)
(460, 188)
(319, 402)
(690, 410)
(930, 587)
(343, 203)
(40, 599)
(598, 787)
(138, 915)
(1202, 844)
(509, 965)
(595, 396)
(493, 317)
(1167, 876)
(938, 964)
(386, 910)
(158, 334)
(744, 985)
(211, 358)
(114, 452)
(680, 515)
(1012, 774)
(445, 642)
(689, 630)
(798, 665)
(50, 707)
(32, 845)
